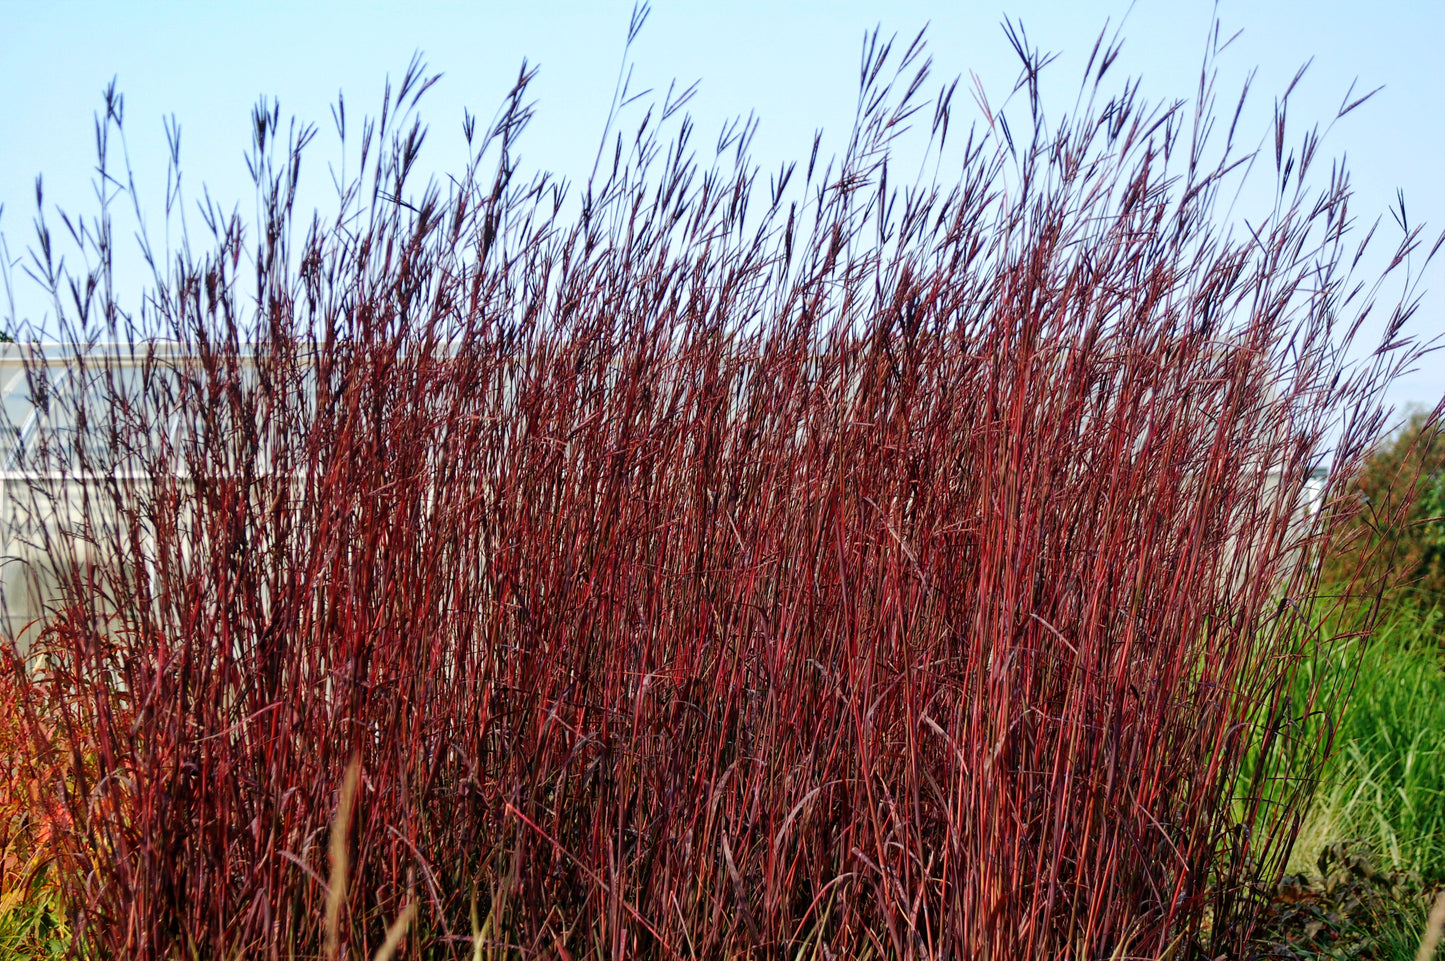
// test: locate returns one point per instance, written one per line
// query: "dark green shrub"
(1398, 539)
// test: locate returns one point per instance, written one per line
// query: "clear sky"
(793, 63)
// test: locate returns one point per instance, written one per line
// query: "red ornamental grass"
(848, 567)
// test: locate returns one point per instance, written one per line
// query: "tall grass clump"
(836, 563)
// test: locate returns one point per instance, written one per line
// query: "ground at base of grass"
(1350, 909)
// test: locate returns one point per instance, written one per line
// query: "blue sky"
(793, 63)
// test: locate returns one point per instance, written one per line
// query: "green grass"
(1384, 786)
(1371, 850)
(33, 927)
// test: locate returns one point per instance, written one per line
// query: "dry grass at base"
(32, 915)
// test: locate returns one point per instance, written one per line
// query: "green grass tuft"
(1384, 786)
